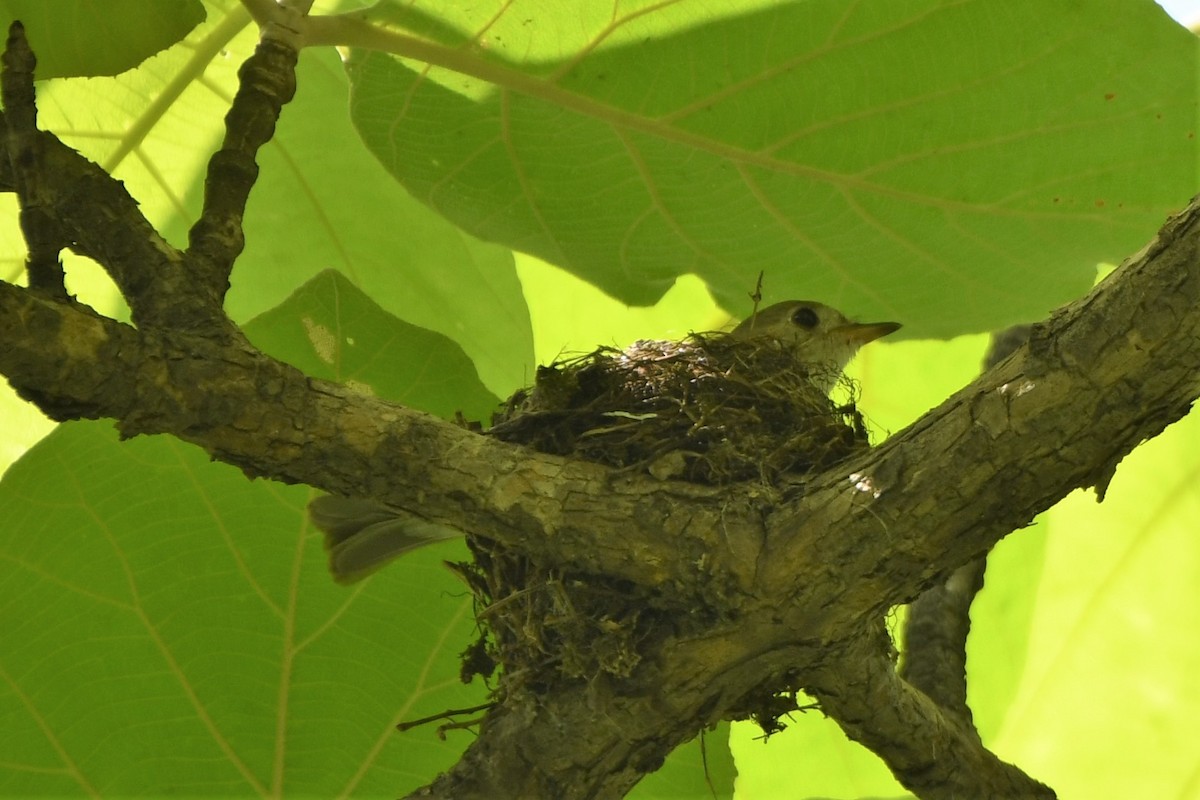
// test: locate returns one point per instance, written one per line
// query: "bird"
(815, 333)
(361, 535)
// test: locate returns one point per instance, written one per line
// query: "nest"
(710, 409)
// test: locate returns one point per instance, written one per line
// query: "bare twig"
(449, 714)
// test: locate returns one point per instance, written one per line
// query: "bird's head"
(819, 335)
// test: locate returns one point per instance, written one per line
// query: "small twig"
(262, 11)
(69, 201)
(460, 725)
(756, 295)
(704, 762)
(449, 713)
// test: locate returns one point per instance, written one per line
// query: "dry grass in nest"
(710, 409)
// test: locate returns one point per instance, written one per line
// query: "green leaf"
(170, 628)
(322, 202)
(153, 605)
(1108, 701)
(702, 768)
(955, 165)
(330, 329)
(82, 38)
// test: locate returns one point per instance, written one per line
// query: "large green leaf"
(169, 628)
(78, 37)
(956, 165)
(322, 202)
(1108, 701)
(330, 329)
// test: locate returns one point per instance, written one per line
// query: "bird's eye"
(805, 317)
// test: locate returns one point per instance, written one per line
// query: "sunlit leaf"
(82, 38)
(958, 165)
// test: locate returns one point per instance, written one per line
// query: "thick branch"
(1114, 369)
(935, 631)
(935, 756)
(1102, 375)
(270, 419)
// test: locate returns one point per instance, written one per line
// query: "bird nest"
(711, 409)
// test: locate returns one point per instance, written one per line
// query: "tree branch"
(41, 231)
(271, 420)
(936, 756)
(266, 82)
(92, 213)
(935, 631)
(1102, 375)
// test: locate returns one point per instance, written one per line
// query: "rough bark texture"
(935, 632)
(785, 590)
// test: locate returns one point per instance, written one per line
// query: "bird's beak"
(859, 333)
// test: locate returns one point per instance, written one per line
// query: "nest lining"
(710, 409)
